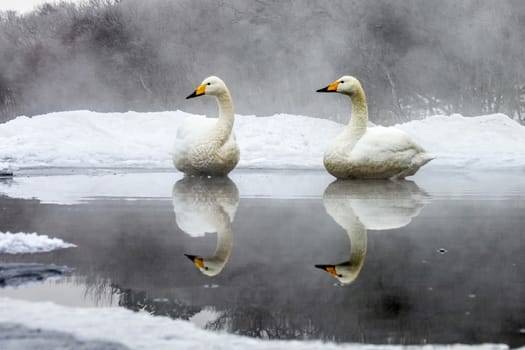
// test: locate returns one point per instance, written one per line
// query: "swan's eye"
(206, 268)
(209, 83)
(339, 276)
(342, 81)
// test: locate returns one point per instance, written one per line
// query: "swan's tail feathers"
(417, 162)
(424, 158)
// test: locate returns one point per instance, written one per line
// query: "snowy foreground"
(143, 331)
(23, 243)
(144, 140)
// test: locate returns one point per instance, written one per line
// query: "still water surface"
(287, 255)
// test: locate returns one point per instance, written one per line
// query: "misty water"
(438, 259)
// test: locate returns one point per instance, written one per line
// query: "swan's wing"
(230, 145)
(378, 204)
(381, 144)
(197, 128)
(190, 131)
(193, 127)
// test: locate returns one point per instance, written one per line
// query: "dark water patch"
(384, 239)
(17, 274)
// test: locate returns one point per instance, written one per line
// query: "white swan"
(202, 205)
(374, 153)
(360, 205)
(347, 271)
(207, 146)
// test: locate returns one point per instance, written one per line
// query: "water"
(434, 260)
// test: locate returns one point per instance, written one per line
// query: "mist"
(414, 58)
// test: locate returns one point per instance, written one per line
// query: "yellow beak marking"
(333, 86)
(331, 271)
(198, 261)
(200, 90)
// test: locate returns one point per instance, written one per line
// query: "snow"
(144, 140)
(143, 331)
(23, 243)
(84, 139)
(16, 337)
(489, 141)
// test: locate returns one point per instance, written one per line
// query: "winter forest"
(414, 58)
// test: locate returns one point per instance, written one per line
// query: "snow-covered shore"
(143, 331)
(84, 139)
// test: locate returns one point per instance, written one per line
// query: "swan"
(207, 204)
(369, 153)
(207, 146)
(360, 205)
(347, 271)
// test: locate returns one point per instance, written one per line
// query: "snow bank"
(17, 337)
(143, 331)
(144, 140)
(23, 243)
(88, 139)
(489, 141)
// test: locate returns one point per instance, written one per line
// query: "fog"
(414, 58)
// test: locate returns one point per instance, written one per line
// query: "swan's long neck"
(340, 210)
(359, 117)
(357, 234)
(224, 238)
(225, 121)
(224, 245)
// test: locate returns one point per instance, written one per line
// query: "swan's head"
(208, 266)
(213, 86)
(347, 85)
(345, 272)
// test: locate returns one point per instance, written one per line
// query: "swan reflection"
(204, 205)
(360, 205)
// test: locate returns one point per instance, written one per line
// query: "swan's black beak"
(193, 94)
(197, 260)
(330, 88)
(325, 89)
(191, 257)
(329, 268)
(199, 92)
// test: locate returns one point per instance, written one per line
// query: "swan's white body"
(370, 153)
(360, 205)
(206, 146)
(203, 205)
